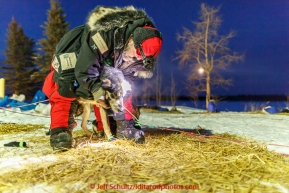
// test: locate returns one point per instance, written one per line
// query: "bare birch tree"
(158, 86)
(155, 85)
(146, 91)
(204, 49)
(174, 93)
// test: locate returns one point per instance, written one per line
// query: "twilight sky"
(262, 28)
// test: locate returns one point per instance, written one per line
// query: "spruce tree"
(19, 63)
(55, 28)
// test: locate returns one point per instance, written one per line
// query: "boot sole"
(61, 141)
(61, 145)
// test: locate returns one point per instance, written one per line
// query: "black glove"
(99, 94)
(111, 79)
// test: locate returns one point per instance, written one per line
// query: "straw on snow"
(212, 165)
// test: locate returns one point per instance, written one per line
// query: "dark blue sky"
(262, 28)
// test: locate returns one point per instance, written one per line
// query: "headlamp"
(148, 61)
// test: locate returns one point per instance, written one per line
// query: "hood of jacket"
(122, 20)
(106, 18)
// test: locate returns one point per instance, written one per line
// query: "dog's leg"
(104, 119)
(103, 115)
(85, 117)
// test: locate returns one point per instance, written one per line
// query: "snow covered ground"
(268, 128)
(272, 129)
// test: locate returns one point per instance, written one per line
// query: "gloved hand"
(111, 79)
(130, 130)
(98, 96)
(107, 84)
(111, 92)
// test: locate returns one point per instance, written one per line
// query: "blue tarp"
(6, 102)
(39, 96)
(23, 106)
(271, 110)
(212, 107)
(162, 109)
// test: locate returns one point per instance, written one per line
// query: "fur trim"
(106, 18)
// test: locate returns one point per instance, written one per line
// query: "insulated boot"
(127, 129)
(61, 140)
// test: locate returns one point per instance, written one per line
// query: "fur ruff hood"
(106, 18)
